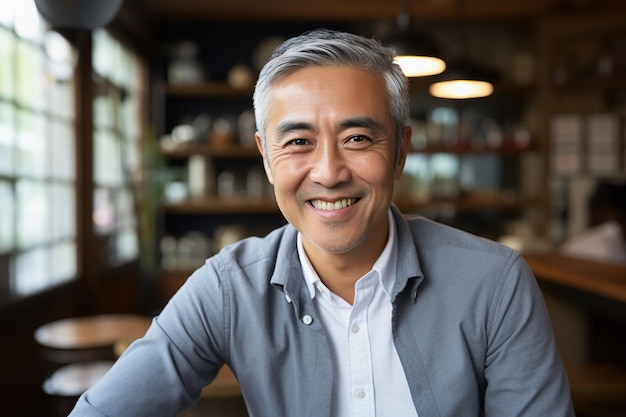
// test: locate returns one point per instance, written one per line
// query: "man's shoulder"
(430, 235)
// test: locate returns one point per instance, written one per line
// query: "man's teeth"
(333, 205)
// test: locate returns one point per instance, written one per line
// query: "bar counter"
(598, 383)
(596, 278)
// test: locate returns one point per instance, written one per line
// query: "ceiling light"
(416, 53)
(462, 80)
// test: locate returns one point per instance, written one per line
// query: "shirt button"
(355, 328)
(306, 319)
(360, 394)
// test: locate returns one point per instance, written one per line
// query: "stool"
(85, 346)
(66, 384)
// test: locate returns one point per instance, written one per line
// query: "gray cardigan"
(469, 325)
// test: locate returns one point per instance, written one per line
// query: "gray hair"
(323, 47)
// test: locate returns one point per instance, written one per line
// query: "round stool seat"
(72, 380)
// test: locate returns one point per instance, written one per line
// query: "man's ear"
(266, 163)
(404, 149)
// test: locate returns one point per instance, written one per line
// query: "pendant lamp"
(416, 53)
(463, 79)
(78, 14)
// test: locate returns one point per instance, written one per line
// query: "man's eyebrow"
(284, 128)
(364, 122)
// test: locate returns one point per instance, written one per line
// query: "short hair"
(324, 47)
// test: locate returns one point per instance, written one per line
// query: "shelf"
(466, 149)
(215, 205)
(465, 204)
(206, 89)
(592, 84)
(226, 152)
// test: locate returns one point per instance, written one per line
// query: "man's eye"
(297, 142)
(358, 138)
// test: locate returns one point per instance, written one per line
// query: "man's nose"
(329, 166)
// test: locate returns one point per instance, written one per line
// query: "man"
(350, 309)
(605, 239)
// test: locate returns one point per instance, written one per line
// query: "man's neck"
(339, 272)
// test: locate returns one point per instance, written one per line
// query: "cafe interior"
(127, 157)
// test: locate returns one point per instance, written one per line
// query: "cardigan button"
(306, 319)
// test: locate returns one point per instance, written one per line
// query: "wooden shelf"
(465, 204)
(592, 84)
(226, 152)
(215, 205)
(466, 149)
(206, 89)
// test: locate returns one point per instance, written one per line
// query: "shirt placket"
(360, 352)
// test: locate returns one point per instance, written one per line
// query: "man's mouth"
(333, 205)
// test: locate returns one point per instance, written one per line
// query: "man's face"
(330, 156)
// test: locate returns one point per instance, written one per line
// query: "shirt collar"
(385, 265)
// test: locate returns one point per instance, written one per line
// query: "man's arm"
(524, 372)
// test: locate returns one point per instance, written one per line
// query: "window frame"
(93, 276)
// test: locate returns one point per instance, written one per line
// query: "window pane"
(7, 220)
(132, 158)
(104, 211)
(7, 62)
(63, 258)
(7, 12)
(104, 53)
(62, 212)
(29, 75)
(127, 245)
(60, 56)
(28, 22)
(7, 138)
(31, 271)
(32, 213)
(107, 163)
(62, 150)
(31, 156)
(103, 111)
(125, 208)
(61, 100)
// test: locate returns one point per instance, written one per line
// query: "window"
(37, 153)
(117, 131)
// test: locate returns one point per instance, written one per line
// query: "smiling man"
(351, 309)
(331, 153)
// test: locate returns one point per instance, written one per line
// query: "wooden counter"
(602, 279)
(598, 385)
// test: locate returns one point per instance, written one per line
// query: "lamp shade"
(416, 53)
(78, 14)
(462, 80)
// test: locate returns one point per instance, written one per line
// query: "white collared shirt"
(369, 379)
